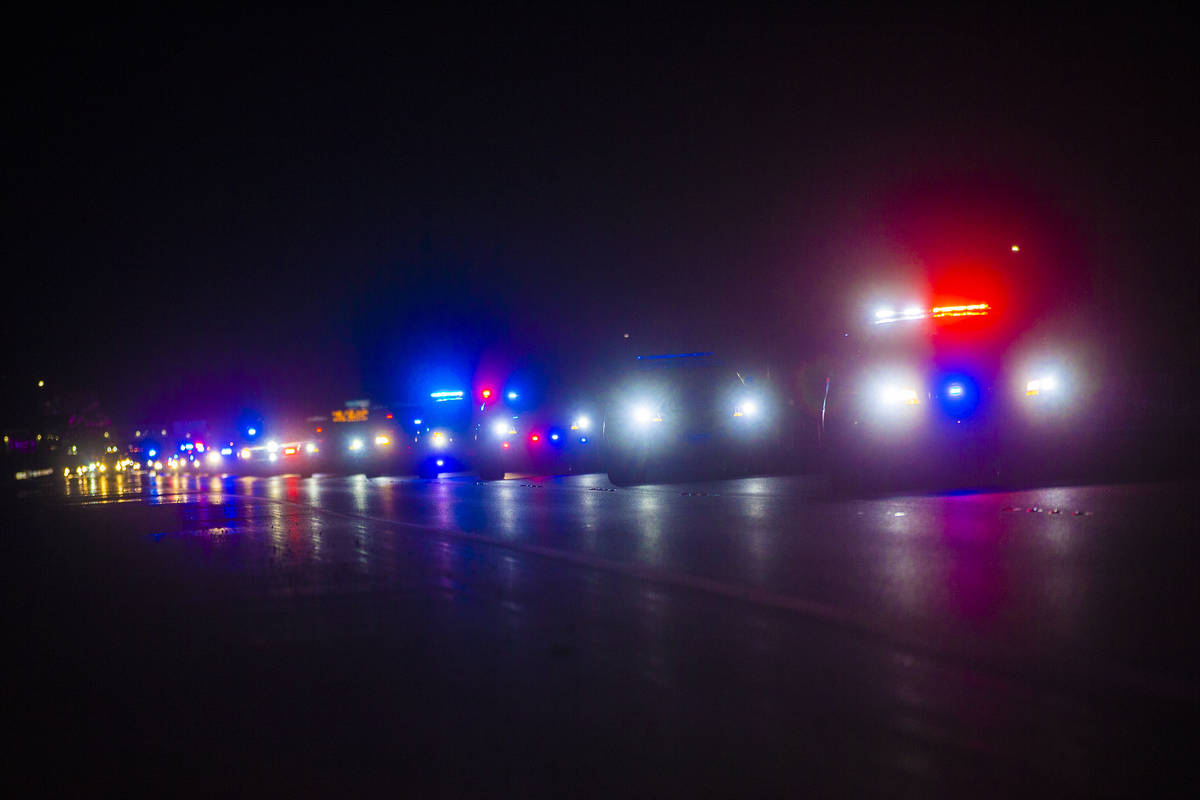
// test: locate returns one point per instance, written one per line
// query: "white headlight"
(644, 415)
(500, 428)
(356, 444)
(899, 395)
(582, 423)
(747, 408)
(272, 445)
(1046, 383)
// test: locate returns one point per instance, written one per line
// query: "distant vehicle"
(689, 412)
(511, 436)
(292, 454)
(187, 455)
(359, 438)
(441, 433)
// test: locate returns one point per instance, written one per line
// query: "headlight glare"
(645, 414)
(900, 395)
(1039, 385)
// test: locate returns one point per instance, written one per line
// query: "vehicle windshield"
(979, 339)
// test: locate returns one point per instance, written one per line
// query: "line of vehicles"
(951, 390)
(486, 431)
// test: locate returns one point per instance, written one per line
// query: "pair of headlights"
(895, 395)
(645, 414)
(356, 444)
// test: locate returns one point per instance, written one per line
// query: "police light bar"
(442, 397)
(885, 316)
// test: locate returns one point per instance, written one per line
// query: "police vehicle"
(685, 413)
(287, 453)
(543, 437)
(358, 438)
(953, 392)
(440, 433)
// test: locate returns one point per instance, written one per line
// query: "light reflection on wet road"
(936, 637)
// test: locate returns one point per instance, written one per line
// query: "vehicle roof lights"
(884, 316)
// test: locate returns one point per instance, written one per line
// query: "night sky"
(285, 211)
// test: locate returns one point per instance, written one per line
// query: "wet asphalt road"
(543, 636)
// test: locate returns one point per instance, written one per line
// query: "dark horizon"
(291, 210)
